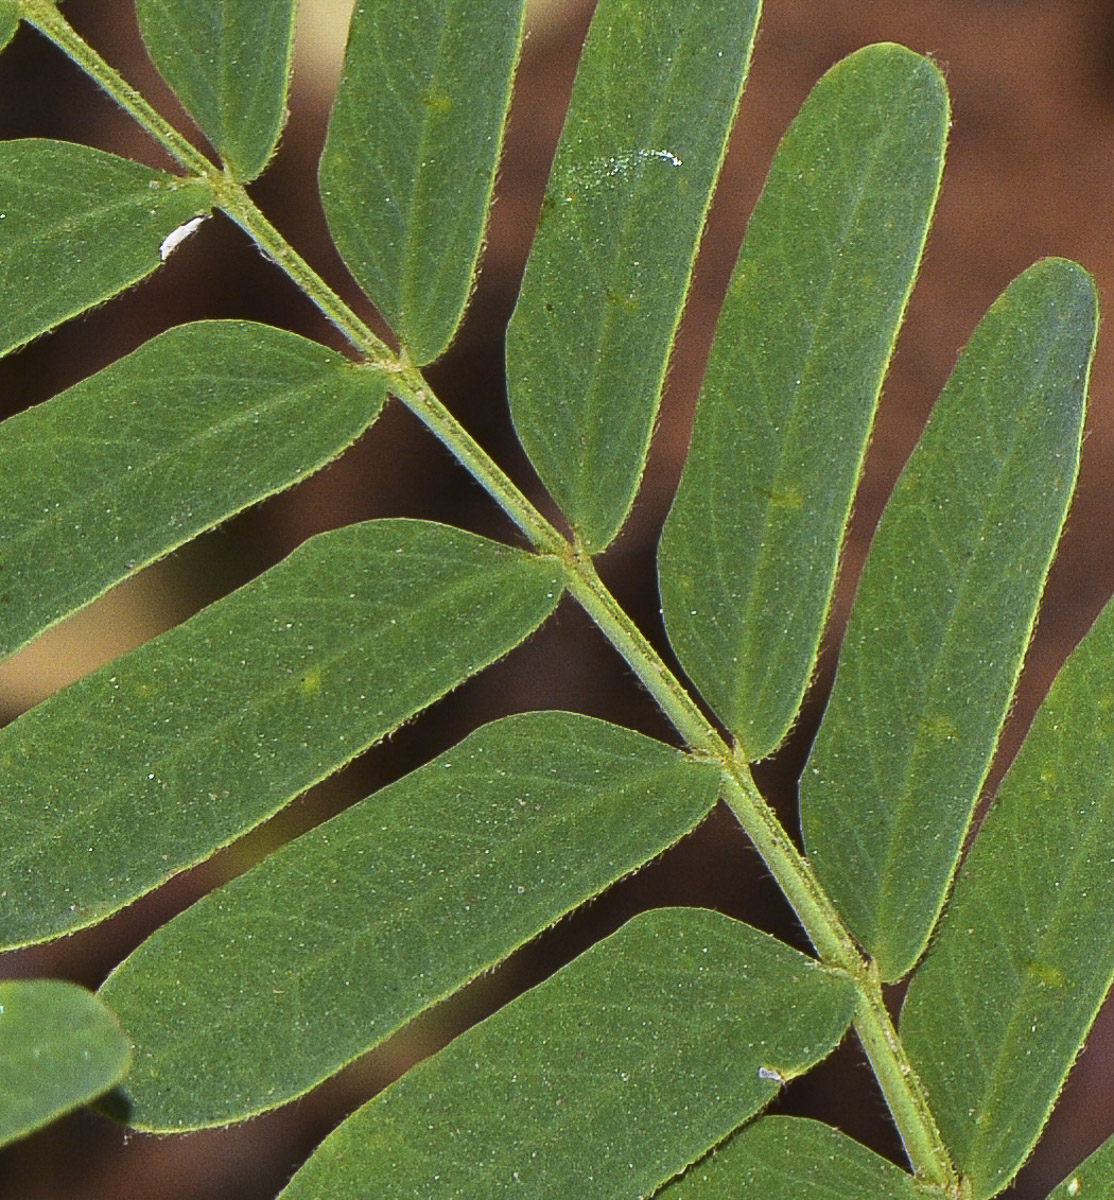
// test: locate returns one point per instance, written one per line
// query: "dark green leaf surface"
(229, 63)
(996, 1014)
(749, 552)
(155, 761)
(1093, 1179)
(944, 613)
(248, 999)
(409, 165)
(79, 225)
(788, 1158)
(59, 1048)
(604, 1081)
(588, 346)
(189, 429)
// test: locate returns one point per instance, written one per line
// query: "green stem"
(819, 917)
(239, 206)
(228, 194)
(612, 620)
(45, 17)
(900, 1084)
(411, 388)
(904, 1092)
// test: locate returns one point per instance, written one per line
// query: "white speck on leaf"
(621, 163)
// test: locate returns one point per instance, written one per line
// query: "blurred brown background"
(1031, 173)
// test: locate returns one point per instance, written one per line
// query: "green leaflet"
(589, 342)
(176, 437)
(1093, 1179)
(750, 549)
(79, 225)
(606, 1080)
(154, 762)
(429, 882)
(788, 1158)
(229, 62)
(9, 21)
(1025, 953)
(59, 1048)
(944, 613)
(409, 165)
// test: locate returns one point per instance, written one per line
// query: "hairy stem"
(818, 915)
(904, 1092)
(239, 206)
(45, 17)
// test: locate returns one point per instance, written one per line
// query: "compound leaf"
(750, 549)
(171, 440)
(59, 1048)
(998, 1011)
(589, 342)
(606, 1080)
(247, 999)
(943, 615)
(152, 763)
(78, 226)
(409, 165)
(229, 63)
(789, 1158)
